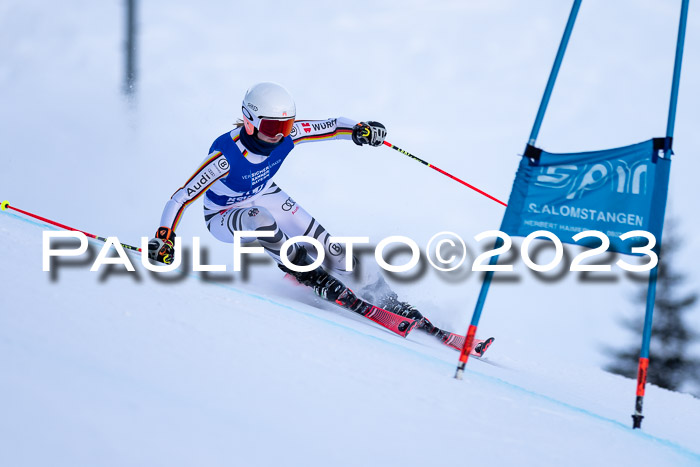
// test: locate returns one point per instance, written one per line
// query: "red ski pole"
(5, 205)
(406, 153)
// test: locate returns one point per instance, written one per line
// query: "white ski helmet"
(269, 108)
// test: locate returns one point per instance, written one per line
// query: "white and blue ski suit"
(239, 194)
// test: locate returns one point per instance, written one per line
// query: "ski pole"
(406, 153)
(5, 205)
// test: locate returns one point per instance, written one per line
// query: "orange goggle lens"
(272, 128)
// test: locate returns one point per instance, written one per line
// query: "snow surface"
(127, 369)
(114, 368)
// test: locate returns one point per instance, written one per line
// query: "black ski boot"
(324, 285)
(405, 309)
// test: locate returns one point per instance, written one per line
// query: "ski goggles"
(272, 127)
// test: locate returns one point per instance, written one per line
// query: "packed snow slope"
(115, 368)
(130, 369)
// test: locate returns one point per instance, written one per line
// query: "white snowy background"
(122, 369)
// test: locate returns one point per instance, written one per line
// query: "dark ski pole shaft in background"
(471, 332)
(130, 48)
(406, 153)
(653, 274)
(6, 205)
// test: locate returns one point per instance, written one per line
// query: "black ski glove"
(161, 248)
(372, 133)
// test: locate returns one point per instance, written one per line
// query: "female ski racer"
(239, 194)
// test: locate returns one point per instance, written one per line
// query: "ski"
(348, 300)
(393, 322)
(456, 342)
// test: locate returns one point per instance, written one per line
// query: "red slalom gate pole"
(406, 153)
(466, 350)
(5, 205)
(642, 369)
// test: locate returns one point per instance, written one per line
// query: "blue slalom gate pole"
(677, 70)
(653, 274)
(555, 71)
(471, 332)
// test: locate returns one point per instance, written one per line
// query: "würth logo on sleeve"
(307, 127)
(327, 125)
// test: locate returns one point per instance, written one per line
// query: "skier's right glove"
(161, 248)
(372, 133)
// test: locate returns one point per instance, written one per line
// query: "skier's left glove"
(372, 133)
(161, 248)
